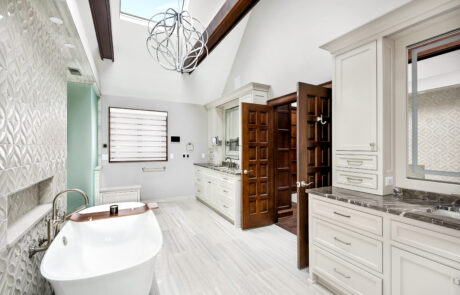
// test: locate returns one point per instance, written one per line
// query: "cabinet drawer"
(116, 197)
(365, 162)
(342, 275)
(226, 192)
(227, 205)
(348, 217)
(199, 191)
(355, 246)
(227, 183)
(430, 241)
(199, 178)
(357, 179)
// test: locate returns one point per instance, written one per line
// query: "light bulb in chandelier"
(176, 40)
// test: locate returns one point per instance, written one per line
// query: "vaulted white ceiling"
(134, 73)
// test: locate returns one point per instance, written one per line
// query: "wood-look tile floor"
(205, 254)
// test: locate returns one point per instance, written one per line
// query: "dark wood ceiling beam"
(228, 16)
(100, 10)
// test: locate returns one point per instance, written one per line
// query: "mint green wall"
(81, 141)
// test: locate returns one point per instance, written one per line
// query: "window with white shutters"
(137, 135)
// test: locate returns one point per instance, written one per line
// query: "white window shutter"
(137, 135)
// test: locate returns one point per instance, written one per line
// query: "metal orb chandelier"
(176, 40)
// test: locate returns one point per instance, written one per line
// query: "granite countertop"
(219, 168)
(411, 204)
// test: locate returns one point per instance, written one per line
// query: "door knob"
(304, 184)
(245, 172)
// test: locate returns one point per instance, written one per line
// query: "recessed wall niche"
(22, 202)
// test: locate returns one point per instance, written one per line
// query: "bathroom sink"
(106, 256)
(446, 213)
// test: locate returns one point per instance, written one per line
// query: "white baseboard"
(169, 199)
(294, 198)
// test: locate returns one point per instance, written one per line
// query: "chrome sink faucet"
(55, 221)
(231, 162)
(397, 192)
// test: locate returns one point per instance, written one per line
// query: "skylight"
(145, 9)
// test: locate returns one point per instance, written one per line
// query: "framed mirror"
(433, 109)
(232, 132)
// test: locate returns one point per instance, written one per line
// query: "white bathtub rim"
(57, 278)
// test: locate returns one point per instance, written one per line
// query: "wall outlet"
(389, 180)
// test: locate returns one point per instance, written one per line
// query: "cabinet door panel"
(355, 99)
(413, 274)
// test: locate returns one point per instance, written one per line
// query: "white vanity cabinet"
(220, 191)
(356, 250)
(355, 99)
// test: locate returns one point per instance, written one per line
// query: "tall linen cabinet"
(362, 117)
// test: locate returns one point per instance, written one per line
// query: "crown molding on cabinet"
(248, 88)
(401, 18)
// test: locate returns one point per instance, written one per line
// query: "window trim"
(140, 161)
(423, 31)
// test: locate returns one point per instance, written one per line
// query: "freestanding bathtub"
(109, 256)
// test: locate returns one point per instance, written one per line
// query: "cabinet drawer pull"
(343, 242)
(225, 206)
(340, 214)
(209, 182)
(225, 191)
(355, 180)
(199, 179)
(456, 281)
(356, 162)
(342, 274)
(199, 191)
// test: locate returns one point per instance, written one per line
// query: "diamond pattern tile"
(33, 117)
(438, 131)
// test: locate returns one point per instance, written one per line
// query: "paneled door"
(313, 154)
(257, 179)
(413, 274)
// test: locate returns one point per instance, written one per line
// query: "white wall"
(281, 43)
(189, 121)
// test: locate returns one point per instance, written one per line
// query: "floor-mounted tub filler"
(105, 256)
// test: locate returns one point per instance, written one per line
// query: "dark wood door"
(257, 178)
(313, 154)
(282, 160)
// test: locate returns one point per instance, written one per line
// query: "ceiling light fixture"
(56, 20)
(176, 39)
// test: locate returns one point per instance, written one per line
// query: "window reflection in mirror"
(433, 109)
(232, 140)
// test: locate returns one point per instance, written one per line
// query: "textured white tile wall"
(438, 131)
(32, 127)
